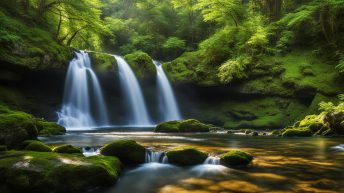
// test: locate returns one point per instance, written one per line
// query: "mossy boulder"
(66, 149)
(102, 62)
(335, 120)
(309, 126)
(47, 128)
(168, 127)
(37, 146)
(236, 158)
(193, 125)
(141, 63)
(128, 151)
(297, 132)
(15, 127)
(45, 172)
(189, 125)
(186, 156)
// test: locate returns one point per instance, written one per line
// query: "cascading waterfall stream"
(76, 111)
(157, 157)
(212, 160)
(168, 104)
(132, 91)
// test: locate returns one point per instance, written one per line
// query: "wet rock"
(47, 172)
(189, 125)
(235, 158)
(67, 149)
(128, 151)
(186, 156)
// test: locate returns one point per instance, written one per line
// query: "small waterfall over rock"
(82, 89)
(158, 157)
(132, 91)
(168, 104)
(212, 160)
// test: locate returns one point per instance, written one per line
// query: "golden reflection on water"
(286, 168)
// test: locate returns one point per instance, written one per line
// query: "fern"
(340, 65)
(233, 68)
(326, 106)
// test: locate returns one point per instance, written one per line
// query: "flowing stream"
(168, 105)
(279, 165)
(132, 91)
(82, 89)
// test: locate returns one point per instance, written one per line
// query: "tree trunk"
(59, 26)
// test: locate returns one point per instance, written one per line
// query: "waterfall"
(155, 156)
(81, 90)
(132, 91)
(212, 160)
(168, 104)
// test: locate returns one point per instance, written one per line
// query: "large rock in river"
(186, 156)
(189, 125)
(128, 151)
(44, 172)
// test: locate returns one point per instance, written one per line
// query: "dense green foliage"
(280, 49)
(217, 40)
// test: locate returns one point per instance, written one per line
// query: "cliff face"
(276, 93)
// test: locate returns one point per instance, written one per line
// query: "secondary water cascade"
(168, 104)
(132, 91)
(82, 89)
(157, 157)
(212, 160)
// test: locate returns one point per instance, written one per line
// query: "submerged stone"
(128, 151)
(186, 156)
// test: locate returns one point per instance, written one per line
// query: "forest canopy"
(223, 37)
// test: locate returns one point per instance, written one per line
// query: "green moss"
(66, 149)
(51, 172)
(103, 62)
(141, 63)
(186, 156)
(276, 132)
(11, 95)
(322, 76)
(28, 45)
(297, 132)
(128, 151)
(193, 125)
(168, 127)
(189, 125)
(46, 128)
(15, 127)
(37, 146)
(236, 158)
